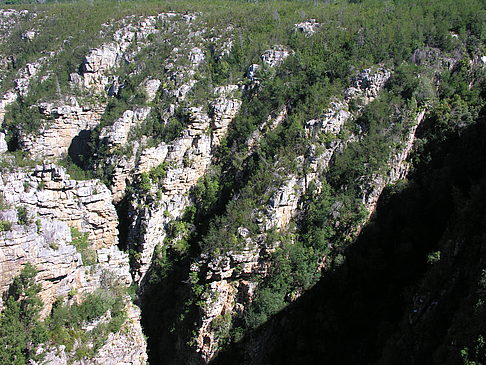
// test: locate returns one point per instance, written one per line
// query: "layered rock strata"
(45, 206)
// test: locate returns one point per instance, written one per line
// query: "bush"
(5, 226)
(80, 241)
(23, 216)
(21, 332)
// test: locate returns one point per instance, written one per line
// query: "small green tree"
(21, 332)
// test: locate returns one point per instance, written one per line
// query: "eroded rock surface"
(186, 160)
(46, 205)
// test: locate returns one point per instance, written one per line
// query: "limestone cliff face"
(70, 127)
(231, 276)
(46, 204)
(187, 158)
(48, 192)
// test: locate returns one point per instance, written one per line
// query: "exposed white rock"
(187, 159)
(233, 272)
(117, 134)
(398, 167)
(66, 121)
(151, 86)
(126, 347)
(50, 193)
(9, 18)
(3, 143)
(368, 83)
(331, 121)
(29, 35)
(309, 27)
(95, 68)
(274, 57)
(252, 70)
(26, 74)
(54, 204)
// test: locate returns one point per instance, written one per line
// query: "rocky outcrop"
(22, 84)
(125, 347)
(66, 129)
(9, 18)
(117, 133)
(368, 83)
(433, 58)
(49, 193)
(128, 40)
(186, 159)
(398, 167)
(274, 57)
(5, 100)
(3, 143)
(48, 205)
(309, 27)
(234, 272)
(96, 65)
(151, 86)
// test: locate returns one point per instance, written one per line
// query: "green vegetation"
(239, 186)
(21, 332)
(23, 216)
(66, 322)
(351, 37)
(81, 242)
(5, 226)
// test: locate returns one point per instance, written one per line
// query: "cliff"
(183, 177)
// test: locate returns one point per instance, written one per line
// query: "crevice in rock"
(123, 223)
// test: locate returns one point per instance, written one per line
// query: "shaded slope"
(377, 295)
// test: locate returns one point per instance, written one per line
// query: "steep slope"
(222, 162)
(411, 288)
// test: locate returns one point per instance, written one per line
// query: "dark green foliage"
(66, 321)
(21, 332)
(157, 174)
(75, 172)
(22, 215)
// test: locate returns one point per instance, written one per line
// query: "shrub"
(5, 226)
(80, 241)
(23, 216)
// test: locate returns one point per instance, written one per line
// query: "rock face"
(367, 84)
(231, 275)
(48, 205)
(3, 143)
(48, 191)
(309, 27)
(398, 167)
(126, 347)
(22, 84)
(68, 122)
(117, 133)
(66, 132)
(186, 160)
(274, 57)
(432, 58)
(95, 66)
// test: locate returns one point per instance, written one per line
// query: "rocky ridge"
(230, 275)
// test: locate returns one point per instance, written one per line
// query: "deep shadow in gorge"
(349, 316)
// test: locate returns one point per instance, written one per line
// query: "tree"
(21, 332)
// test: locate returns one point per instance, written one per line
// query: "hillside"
(232, 182)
